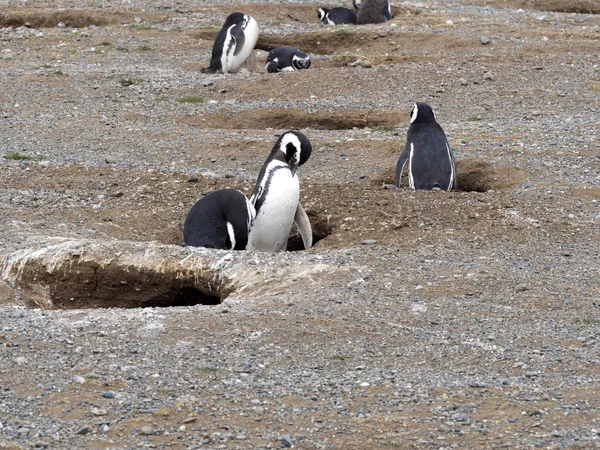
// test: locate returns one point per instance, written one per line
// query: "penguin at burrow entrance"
(373, 11)
(336, 16)
(284, 59)
(234, 44)
(276, 196)
(427, 153)
(221, 219)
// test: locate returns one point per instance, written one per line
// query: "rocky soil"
(419, 319)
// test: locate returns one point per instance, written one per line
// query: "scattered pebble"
(84, 430)
(147, 429)
(286, 442)
(484, 40)
(110, 160)
(369, 241)
(108, 394)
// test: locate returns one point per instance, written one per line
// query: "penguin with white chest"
(336, 16)
(427, 153)
(221, 219)
(284, 59)
(276, 196)
(234, 44)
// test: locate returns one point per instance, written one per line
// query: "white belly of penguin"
(271, 228)
(232, 63)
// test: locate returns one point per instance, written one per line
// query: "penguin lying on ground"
(373, 11)
(285, 59)
(427, 153)
(234, 44)
(336, 16)
(226, 220)
(276, 196)
(221, 219)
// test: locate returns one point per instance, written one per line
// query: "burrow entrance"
(563, 6)
(296, 119)
(473, 176)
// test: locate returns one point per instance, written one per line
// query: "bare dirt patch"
(71, 19)
(567, 6)
(296, 119)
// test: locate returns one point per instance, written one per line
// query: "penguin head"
(301, 61)
(356, 4)
(322, 13)
(294, 148)
(421, 113)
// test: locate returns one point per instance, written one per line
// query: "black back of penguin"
(373, 11)
(206, 224)
(336, 16)
(426, 153)
(217, 51)
(286, 58)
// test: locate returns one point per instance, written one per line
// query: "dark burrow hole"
(180, 297)
(50, 19)
(321, 228)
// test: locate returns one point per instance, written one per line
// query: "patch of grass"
(390, 444)
(190, 99)
(341, 31)
(144, 48)
(72, 51)
(105, 44)
(91, 376)
(125, 81)
(474, 119)
(164, 412)
(120, 48)
(58, 73)
(207, 369)
(16, 156)
(143, 27)
(341, 357)
(162, 98)
(596, 87)
(385, 128)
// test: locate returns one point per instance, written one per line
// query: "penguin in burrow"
(284, 59)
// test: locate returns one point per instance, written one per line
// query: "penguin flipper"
(303, 224)
(238, 34)
(400, 165)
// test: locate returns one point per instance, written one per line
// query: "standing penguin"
(373, 11)
(234, 44)
(336, 16)
(221, 219)
(276, 196)
(427, 152)
(285, 59)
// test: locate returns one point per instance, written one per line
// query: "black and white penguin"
(285, 59)
(336, 16)
(427, 153)
(276, 196)
(373, 11)
(234, 44)
(221, 219)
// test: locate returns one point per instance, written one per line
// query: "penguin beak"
(293, 167)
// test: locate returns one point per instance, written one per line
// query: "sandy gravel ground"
(419, 320)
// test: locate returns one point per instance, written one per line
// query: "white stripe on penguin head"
(415, 112)
(291, 138)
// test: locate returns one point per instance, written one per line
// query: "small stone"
(23, 431)
(99, 412)
(369, 241)
(41, 444)
(189, 420)
(463, 82)
(192, 179)
(108, 394)
(241, 437)
(286, 442)
(536, 113)
(110, 160)
(207, 83)
(484, 40)
(84, 430)
(147, 429)
(440, 90)
(61, 25)
(78, 379)
(383, 202)
(366, 64)
(20, 360)
(355, 63)
(521, 288)
(488, 76)
(104, 428)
